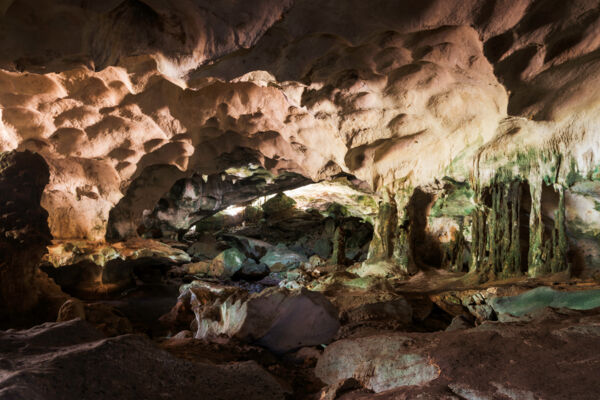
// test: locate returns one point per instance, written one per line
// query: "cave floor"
(434, 335)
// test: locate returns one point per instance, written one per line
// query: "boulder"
(281, 254)
(279, 319)
(71, 309)
(197, 268)
(205, 247)
(252, 247)
(494, 360)
(396, 310)
(314, 261)
(227, 263)
(379, 363)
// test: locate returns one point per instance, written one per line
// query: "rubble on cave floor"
(271, 291)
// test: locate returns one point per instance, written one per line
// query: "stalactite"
(338, 255)
(382, 245)
(454, 252)
(496, 232)
(496, 237)
(536, 231)
(513, 264)
(560, 242)
(391, 236)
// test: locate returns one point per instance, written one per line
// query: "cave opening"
(247, 224)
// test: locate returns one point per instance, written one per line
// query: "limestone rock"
(541, 297)
(278, 319)
(280, 254)
(206, 247)
(191, 200)
(69, 360)
(69, 252)
(335, 391)
(448, 363)
(197, 268)
(379, 363)
(120, 124)
(227, 263)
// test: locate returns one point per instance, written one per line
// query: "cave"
(299, 199)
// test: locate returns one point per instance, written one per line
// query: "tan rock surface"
(131, 105)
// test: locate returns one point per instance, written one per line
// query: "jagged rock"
(69, 252)
(192, 200)
(72, 360)
(179, 317)
(87, 279)
(278, 319)
(227, 263)
(89, 269)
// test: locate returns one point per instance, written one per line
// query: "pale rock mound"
(494, 360)
(279, 319)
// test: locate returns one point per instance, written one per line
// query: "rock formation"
(441, 364)
(357, 196)
(73, 360)
(277, 319)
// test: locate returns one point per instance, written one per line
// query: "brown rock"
(71, 309)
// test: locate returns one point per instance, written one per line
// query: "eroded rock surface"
(448, 157)
(406, 97)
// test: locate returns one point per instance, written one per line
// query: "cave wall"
(124, 98)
